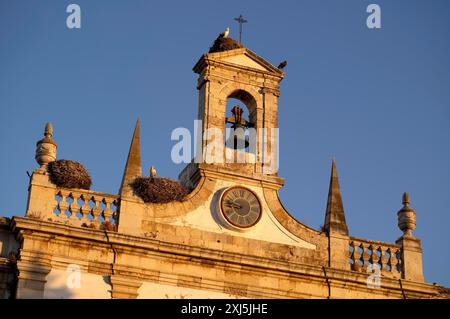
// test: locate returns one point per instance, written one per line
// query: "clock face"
(240, 207)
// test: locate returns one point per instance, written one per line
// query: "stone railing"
(368, 256)
(85, 209)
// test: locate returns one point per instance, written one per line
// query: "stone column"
(411, 258)
(268, 154)
(41, 191)
(41, 196)
(411, 246)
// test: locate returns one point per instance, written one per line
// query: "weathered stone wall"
(185, 249)
(8, 250)
(242, 75)
(124, 266)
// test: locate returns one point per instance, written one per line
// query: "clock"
(240, 207)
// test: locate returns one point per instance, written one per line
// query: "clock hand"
(233, 205)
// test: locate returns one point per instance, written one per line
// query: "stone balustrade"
(85, 208)
(76, 207)
(368, 256)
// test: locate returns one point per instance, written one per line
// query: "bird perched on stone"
(225, 33)
(282, 65)
(152, 171)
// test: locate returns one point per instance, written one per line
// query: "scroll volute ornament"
(406, 217)
(46, 148)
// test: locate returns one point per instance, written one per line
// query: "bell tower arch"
(239, 74)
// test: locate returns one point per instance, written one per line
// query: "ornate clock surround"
(240, 207)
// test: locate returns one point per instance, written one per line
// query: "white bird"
(152, 171)
(225, 33)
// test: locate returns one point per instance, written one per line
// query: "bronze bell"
(237, 139)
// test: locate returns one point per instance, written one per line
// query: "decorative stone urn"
(46, 148)
(406, 217)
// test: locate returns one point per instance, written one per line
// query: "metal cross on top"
(241, 21)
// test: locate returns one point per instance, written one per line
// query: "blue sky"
(376, 100)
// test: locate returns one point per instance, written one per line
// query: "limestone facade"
(185, 249)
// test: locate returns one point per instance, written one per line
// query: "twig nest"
(224, 44)
(69, 174)
(158, 189)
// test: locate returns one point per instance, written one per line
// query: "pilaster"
(124, 287)
(412, 268)
(32, 272)
(41, 196)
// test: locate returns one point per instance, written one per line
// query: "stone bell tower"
(232, 71)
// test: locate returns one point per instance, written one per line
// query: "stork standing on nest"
(225, 33)
(152, 172)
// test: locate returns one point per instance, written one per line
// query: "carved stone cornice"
(270, 90)
(126, 279)
(198, 170)
(33, 268)
(216, 59)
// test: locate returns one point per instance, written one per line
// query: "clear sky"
(376, 100)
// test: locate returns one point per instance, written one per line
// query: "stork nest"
(158, 189)
(224, 44)
(69, 174)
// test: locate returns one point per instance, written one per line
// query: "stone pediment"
(242, 58)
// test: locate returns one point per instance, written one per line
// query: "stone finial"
(133, 167)
(406, 217)
(46, 148)
(48, 130)
(405, 199)
(335, 215)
